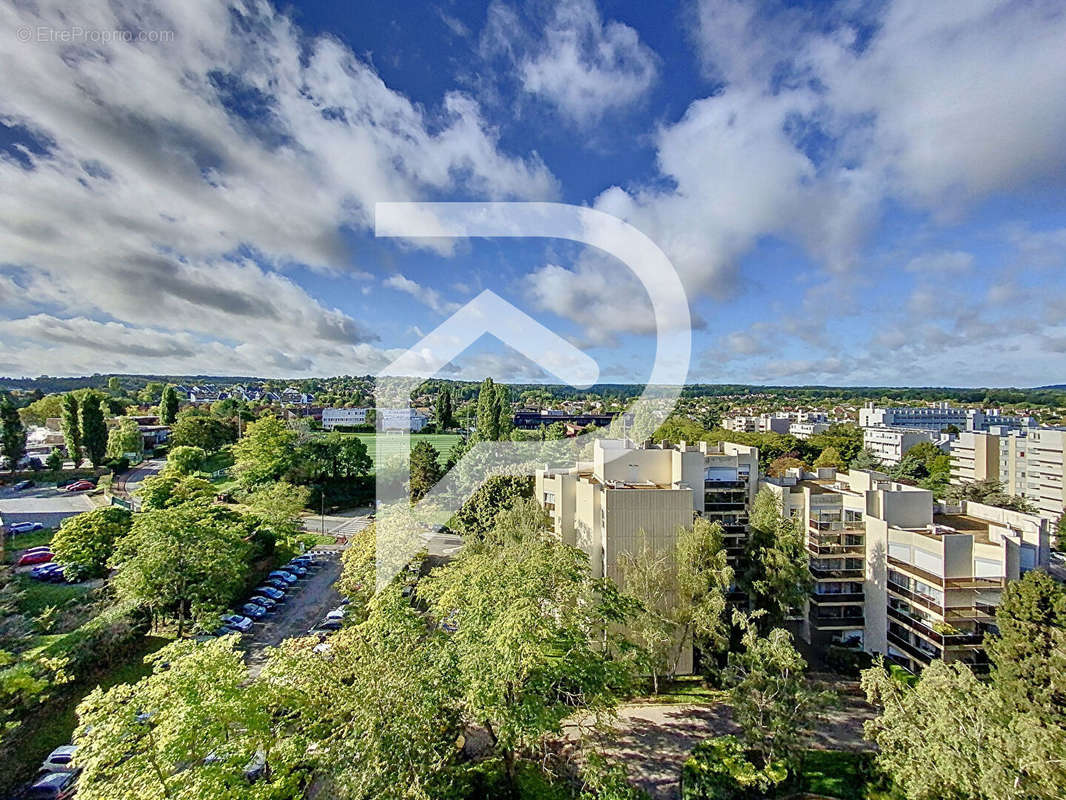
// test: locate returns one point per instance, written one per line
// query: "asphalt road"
(46, 505)
(305, 605)
(131, 481)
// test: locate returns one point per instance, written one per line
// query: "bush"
(720, 769)
(847, 660)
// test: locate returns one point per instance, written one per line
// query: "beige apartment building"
(605, 506)
(1028, 462)
(897, 573)
(891, 444)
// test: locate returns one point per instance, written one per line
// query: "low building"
(891, 444)
(532, 419)
(399, 419)
(805, 430)
(343, 417)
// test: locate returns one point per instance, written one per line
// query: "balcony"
(716, 485)
(840, 597)
(712, 506)
(921, 628)
(910, 649)
(921, 599)
(836, 574)
(836, 549)
(824, 622)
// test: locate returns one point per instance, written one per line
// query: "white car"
(60, 760)
(237, 621)
(25, 527)
(337, 613)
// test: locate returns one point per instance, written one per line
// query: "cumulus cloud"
(424, 294)
(239, 135)
(581, 65)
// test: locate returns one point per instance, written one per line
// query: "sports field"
(391, 443)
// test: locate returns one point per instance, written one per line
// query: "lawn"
(841, 774)
(24, 541)
(38, 595)
(687, 689)
(443, 442)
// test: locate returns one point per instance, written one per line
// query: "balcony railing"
(835, 549)
(910, 649)
(825, 623)
(826, 574)
(840, 597)
(921, 599)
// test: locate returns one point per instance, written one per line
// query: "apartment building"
(1028, 462)
(778, 422)
(938, 416)
(390, 419)
(607, 505)
(334, 417)
(898, 574)
(891, 444)
(805, 430)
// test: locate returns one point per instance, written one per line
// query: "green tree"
(198, 430)
(502, 407)
(114, 384)
(190, 729)
(185, 460)
(1029, 651)
(170, 489)
(865, 459)
(278, 507)
(54, 462)
(477, 516)
(85, 543)
(776, 576)
(488, 412)
(151, 393)
(187, 561)
(649, 576)
(12, 433)
(382, 707)
(532, 640)
(124, 438)
(40, 411)
(72, 428)
(771, 700)
(782, 464)
(989, 492)
(425, 469)
(168, 406)
(704, 577)
(830, 457)
(444, 409)
(93, 428)
(266, 452)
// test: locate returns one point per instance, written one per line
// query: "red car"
(34, 557)
(79, 486)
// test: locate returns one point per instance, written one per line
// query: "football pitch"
(443, 442)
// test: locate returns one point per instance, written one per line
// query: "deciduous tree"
(168, 405)
(85, 543)
(266, 452)
(185, 460)
(12, 433)
(425, 469)
(125, 438)
(72, 428)
(93, 428)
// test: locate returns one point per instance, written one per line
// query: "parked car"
(242, 624)
(18, 487)
(253, 610)
(275, 594)
(53, 786)
(277, 583)
(79, 486)
(41, 548)
(39, 557)
(337, 613)
(296, 569)
(25, 527)
(224, 630)
(267, 604)
(59, 576)
(288, 577)
(328, 625)
(41, 570)
(60, 760)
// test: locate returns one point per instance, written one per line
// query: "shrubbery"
(721, 769)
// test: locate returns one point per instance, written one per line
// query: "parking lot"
(306, 604)
(43, 504)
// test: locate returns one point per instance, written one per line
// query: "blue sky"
(851, 193)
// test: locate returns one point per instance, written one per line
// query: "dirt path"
(654, 741)
(304, 607)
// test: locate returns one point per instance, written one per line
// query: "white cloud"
(238, 135)
(952, 262)
(424, 294)
(580, 64)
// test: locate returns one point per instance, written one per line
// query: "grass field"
(391, 443)
(38, 595)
